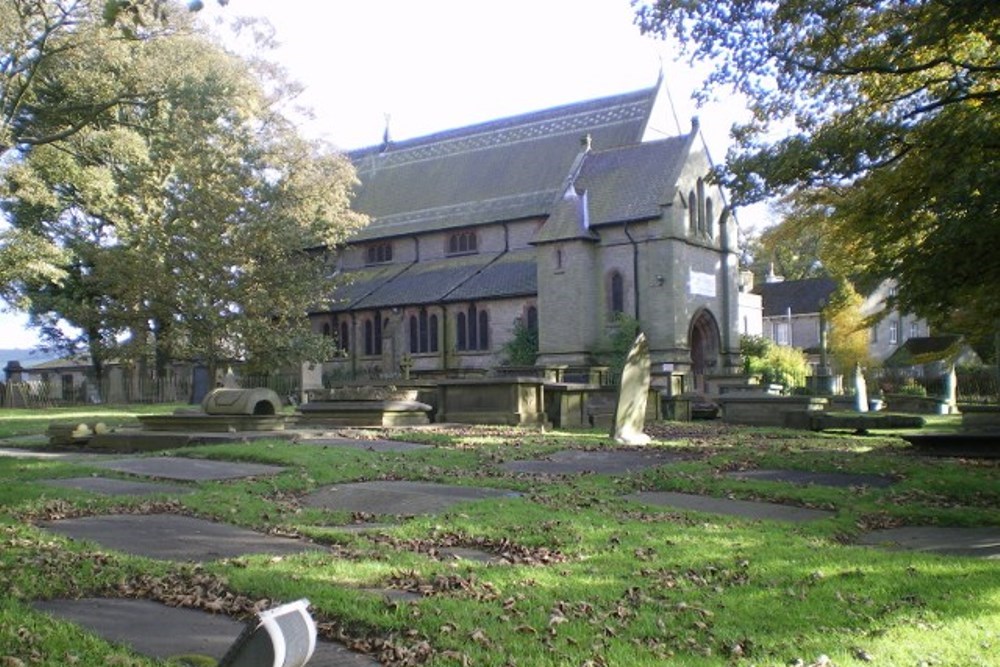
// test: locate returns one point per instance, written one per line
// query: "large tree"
(186, 216)
(877, 121)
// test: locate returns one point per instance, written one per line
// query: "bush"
(616, 348)
(775, 364)
(522, 349)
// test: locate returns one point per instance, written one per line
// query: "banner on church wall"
(701, 284)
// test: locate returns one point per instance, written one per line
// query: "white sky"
(439, 64)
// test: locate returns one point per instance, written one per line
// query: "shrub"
(522, 349)
(775, 364)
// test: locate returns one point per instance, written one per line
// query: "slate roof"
(479, 276)
(804, 297)
(506, 169)
(632, 182)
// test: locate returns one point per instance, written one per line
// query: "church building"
(563, 220)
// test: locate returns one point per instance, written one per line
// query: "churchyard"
(495, 545)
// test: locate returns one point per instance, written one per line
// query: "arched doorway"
(703, 337)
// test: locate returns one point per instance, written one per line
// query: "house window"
(873, 334)
(373, 335)
(914, 329)
(893, 333)
(473, 329)
(782, 333)
(462, 243)
(559, 259)
(378, 253)
(617, 293)
(423, 332)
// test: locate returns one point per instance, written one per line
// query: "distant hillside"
(26, 357)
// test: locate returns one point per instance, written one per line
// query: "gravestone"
(633, 392)
(860, 390)
(200, 385)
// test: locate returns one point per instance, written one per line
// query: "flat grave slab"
(979, 542)
(117, 487)
(134, 440)
(158, 631)
(746, 509)
(612, 461)
(49, 454)
(189, 470)
(174, 537)
(804, 477)
(367, 445)
(391, 497)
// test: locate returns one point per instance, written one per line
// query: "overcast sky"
(439, 64)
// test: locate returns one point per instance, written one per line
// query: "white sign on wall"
(701, 284)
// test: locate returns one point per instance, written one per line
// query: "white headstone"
(633, 392)
(860, 390)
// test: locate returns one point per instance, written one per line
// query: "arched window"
(373, 335)
(344, 342)
(369, 338)
(473, 323)
(461, 243)
(692, 212)
(460, 330)
(531, 318)
(423, 332)
(709, 217)
(327, 331)
(414, 335)
(616, 297)
(472, 329)
(432, 326)
(484, 330)
(701, 205)
(378, 253)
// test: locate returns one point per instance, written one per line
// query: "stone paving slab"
(742, 508)
(841, 479)
(50, 454)
(391, 497)
(174, 537)
(159, 631)
(117, 487)
(612, 461)
(367, 445)
(188, 470)
(978, 542)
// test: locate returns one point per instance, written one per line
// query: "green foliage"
(594, 573)
(774, 364)
(614, 351)
(877, 123)
(911, 387)
(185, 214)
(848, 328)
(522, 348)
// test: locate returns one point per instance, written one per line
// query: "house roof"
(925, 349)
(801, 297)
(507, 169)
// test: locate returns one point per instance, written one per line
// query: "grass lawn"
(591, 579)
